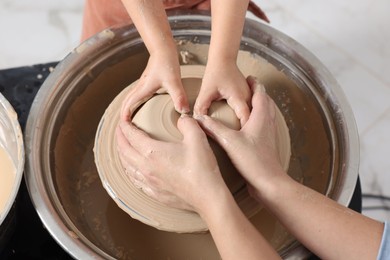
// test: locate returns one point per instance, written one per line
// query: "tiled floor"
(350, 37)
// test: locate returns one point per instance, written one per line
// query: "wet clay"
(95, 219)
(7, 178)
(158, 118)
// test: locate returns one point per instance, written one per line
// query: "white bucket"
(11, 165)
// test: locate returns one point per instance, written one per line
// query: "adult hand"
(182, 174)
(253, 152)
(253, 148)
(162, 74)
(185, 174)
(223, 80)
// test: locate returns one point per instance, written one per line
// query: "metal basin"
(62, 178)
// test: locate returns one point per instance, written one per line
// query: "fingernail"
(185, 111)
(198, 117)
(184, 115)
(260, 87)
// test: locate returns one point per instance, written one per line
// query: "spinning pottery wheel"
(158, 118)
(61, 173)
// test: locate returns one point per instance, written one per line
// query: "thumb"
(135, 97)
(215, 129)
(203, 102)
(241, 109)
(179, 98)
(189, 128)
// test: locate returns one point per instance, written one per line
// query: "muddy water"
(97, 218)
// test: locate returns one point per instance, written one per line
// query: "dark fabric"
(29, 239)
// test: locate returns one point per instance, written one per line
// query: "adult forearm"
(228, 18)
(150, 18)
(327, 228)
(234, 235)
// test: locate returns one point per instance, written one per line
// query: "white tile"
(376, 207)
(368, 97)
(375, 162)
(367, 92)
(37, 31)
(359, 29)
(43, 5)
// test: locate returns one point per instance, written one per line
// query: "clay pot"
(158, 117)
(62, 178)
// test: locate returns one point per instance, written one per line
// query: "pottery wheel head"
(158, 118)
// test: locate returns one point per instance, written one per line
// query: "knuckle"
(147, 173)
(150, 154)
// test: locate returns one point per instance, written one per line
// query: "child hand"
(162, 74)
(224, 81)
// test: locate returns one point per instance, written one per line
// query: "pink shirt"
(101, 14)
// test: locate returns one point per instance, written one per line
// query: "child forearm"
(151, 21)
(228, 17)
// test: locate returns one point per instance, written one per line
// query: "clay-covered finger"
(179, 98)
(240, 107)
(255, 85)
(136, 96)
(205, 97)
(143, 185)
(138, 184)
(217, 130)
(263, 107)
(137, 138)
(132, 162)
(189, 128)
(130, 158)
(150, 192)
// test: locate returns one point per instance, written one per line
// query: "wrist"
(269, 187)
(220, 58)
(168, 57)
(214, 203)
(166, 49)
(222, 49)
(221, 65)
